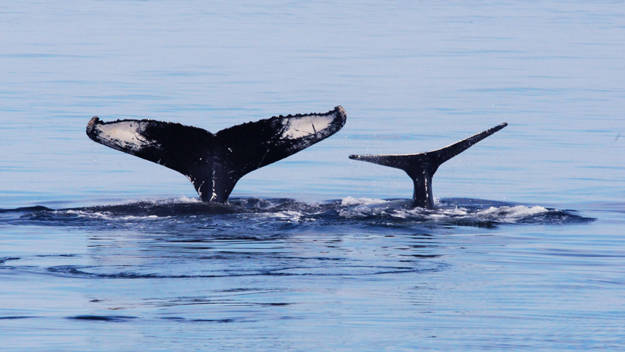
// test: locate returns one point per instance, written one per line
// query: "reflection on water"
(150, 279)
(280, 284)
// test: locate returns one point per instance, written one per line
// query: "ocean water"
(102, 251)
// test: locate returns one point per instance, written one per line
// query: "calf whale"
(215, 162)
(421, 167)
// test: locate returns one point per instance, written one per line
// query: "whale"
(214, 162)
(422, 166)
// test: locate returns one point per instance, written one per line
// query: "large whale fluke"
(421, 167)
(215, 162)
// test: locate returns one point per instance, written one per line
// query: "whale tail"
(421, 167)
(215, 162)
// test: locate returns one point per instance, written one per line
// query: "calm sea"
(316, 252)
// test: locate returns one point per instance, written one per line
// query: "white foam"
(366, 207)
(185, 199)
(510, 214)
(289, 215)
(84, 213)
(104, 215)
(348, 201)
(181, 199)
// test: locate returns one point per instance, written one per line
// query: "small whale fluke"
(215, 162)
(421, 167)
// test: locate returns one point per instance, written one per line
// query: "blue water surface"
(525, 251)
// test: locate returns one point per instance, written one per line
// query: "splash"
(271, 214)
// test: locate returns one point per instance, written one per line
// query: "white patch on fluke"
(302, 126)
(125, 134)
